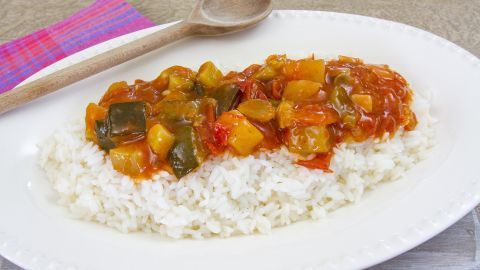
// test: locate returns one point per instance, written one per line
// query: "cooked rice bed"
(227, 195)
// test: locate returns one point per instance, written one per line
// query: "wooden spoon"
(209, 17)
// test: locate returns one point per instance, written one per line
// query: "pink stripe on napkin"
(101, 21)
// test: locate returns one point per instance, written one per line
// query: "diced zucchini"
(227, 97)
(127, 118)
(129, 159)
(206, 111)
(160, 140)
(309, 140)
(244, 136)
(340, 100)
(300, 90)
(209, 76)
(177, 110)
(179, 83)
(276, 61)
(187, 152)
(162, 82)
(93, 113)
(257, 109)
(198, 90)
(364, 101)
(266, 73)
(177, 95)
(343, 79)
(101, 131)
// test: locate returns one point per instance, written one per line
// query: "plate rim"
(464, 203)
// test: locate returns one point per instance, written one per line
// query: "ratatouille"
(182, 117)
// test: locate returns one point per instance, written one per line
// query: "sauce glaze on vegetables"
(177, 120)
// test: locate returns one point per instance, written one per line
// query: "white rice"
(227, 195)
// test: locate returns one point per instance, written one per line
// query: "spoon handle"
(89, 67)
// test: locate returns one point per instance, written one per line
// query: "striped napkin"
(101, 21)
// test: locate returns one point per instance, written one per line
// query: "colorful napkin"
(101, 21)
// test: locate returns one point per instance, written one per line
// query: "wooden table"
(457, 21)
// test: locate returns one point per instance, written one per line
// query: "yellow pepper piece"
(160, 140)
(364, 101)
(306, 69)
(300, 90)
(284, 114)
(244, 136)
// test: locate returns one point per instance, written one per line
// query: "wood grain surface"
(455, 20)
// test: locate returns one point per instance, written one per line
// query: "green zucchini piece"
(178, 110)
(227, 96)
(341, 101)
(128, 118)
(175, 113)
(198, 89)
(101, 131)
(187, 152)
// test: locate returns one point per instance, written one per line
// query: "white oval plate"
(37, 234)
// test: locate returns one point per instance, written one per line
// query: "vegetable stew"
(179, 119)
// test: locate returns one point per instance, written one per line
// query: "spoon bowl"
(213, 17)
